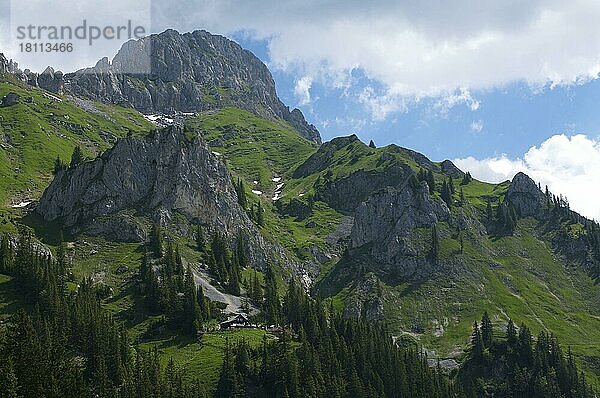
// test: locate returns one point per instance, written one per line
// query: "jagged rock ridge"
(188, 72)
(162, 176)
(385, 224)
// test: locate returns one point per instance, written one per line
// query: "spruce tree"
(272, 305)
(77, 157)
(476, 343)
(192, 315)
(487, 334)
(200, 240)
(430, 182)
(6, 255)
(8, 379)
(446, 194)
(157, 240)
(58, 165)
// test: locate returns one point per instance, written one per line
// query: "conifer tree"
(256, 291)
(272, 305)
(200, 240)
(58, 165)
(430, 181)
(476, 343)
(6, 255)
(466, 178)
(372, 144)
(241, 194)
(8, 379)
(446, 194)
(157, 240)
(260, 217)
(77, 157)
(192, 315)
(487, 335)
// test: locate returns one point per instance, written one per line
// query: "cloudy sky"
(498, 86)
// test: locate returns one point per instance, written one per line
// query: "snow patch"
(21, 205)
(256, 192)
(276, 179)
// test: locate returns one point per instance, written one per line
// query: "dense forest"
(64, 344)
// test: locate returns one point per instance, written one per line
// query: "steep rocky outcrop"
(188, 72)
(163, 177)
(365, 301)
(450, 169)
(347, 193)
(3, 64)
(525, 195)
(386, 224)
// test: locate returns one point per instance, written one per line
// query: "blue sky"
(509, 120)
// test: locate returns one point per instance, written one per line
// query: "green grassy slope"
(259, 151)
(256, 149)
(518, 276)
(43, 126)
(515, 276)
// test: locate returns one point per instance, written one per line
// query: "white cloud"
(415, 48)
(476, 126)
(382, 105)
(569, 165)
(302, 90)
(450, 100)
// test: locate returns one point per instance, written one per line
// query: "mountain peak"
(525, 195)
(190, 72)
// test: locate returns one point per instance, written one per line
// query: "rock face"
(3, 64)
(163, 176)
(365, 301)
(450, 169)
(9, 99)
(385, 225)
(525, 195)
(346, 194)
(188, 72)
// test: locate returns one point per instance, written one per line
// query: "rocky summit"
(173, 72)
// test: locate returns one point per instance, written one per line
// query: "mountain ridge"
(172, 72)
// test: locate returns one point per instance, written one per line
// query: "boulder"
(10, 99)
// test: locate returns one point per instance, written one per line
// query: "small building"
(236, 322)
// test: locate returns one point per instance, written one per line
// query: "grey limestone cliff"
(162, 177)
(525, 195)
(386, 223)
(169, 72)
